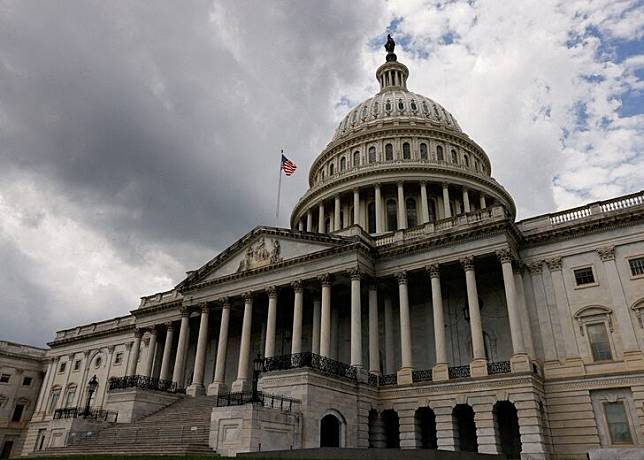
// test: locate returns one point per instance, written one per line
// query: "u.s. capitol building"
(404, 308)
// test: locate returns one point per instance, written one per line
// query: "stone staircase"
(180, 428)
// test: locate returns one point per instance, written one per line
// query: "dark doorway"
(465, 428)
(508, 422)
(426, 428)
(392, 429)
(6, 449)
(17, 413)
(330, 431)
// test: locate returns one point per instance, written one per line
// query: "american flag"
(288, 166)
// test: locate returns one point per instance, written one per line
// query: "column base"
(520, 362)
(440, 372)
(634, 360)
(404, 376)
(195, 389)
(478, 368)
(362, 375)
(240, 385)
(217, 388)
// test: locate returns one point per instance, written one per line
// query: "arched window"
(463, 417)
(426, 427)
(392, 215)
(343, 164)
(389, 152)
(327, 225)
(432, 210)
(423, 151)
(372, 154)
(392, 428)
(412, 216)
(53, 399)
(406, 151)
(439, 153)
(476, 165)
(71, 396)
(356, 158)
(330, 431)
(331, 167)
(351, 222)
(454, 156)
(507, 421)
(371, 217)
(467, 160)
(342, 222)
(322, 175)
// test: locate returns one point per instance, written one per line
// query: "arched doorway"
(392, 428)
(465, 427)
(426, 428)
(507, 420)
(330, 431)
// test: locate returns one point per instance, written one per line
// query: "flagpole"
(279, 190)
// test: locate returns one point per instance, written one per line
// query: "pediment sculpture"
(260, 254)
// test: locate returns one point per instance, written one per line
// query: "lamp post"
(258, 367)
(91, 388)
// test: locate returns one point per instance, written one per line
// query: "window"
(26, 381)
(71, 396)
(343, 164)
(439, 153)
(371, 216)
(637, 266)
(322, 175)
(62, 367)
(356, 159)
(467, 160)
(412, 216)
(389, 152)
(454, 156)
(118, 358)
(599, 343)
(53, 399)
(584, 276)
(17, 412)
(392, 218)
(77, 364)
(98, 362)
(40, 440)
(406, 151)
(423, 151)
(4, 378)
(372, 154)
(330, 169)
(476, 164)
(617, 421)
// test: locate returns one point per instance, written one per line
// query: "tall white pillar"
(134, 355)
(167, 351)
(309, 221)
(182, 348)
(337, 207)
(298, 298)
(271, 321)
(447, 210)
(545, 325)
(374, 345)
(482, 203)
(561, 298)
(100, 398)
(218, 384)
(356, 319)
(325, 318)
(439, 318)
(300, 225)
(476, 330)
(466, 201)
(356, 207)
(152, 346)
(405, 322)
(424, 204)
(197, 388)
(315, 340)
(526, 326)
(402, 212)
(44, 387)
(243, 364)
(321, 227)
(390, 359)
(380, 227)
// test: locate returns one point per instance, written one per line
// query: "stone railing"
(325, 366)
(283, 403)
(490, 214)
(143, 383)
(583, 212)
(101, 326)
(96, 414)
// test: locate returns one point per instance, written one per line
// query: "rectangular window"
(53, 401)
(599, 343)
(77, 364)
(4, 378)
(71, 396)
(118, 359)
(17, 412)
(62, 367)
(637, 266)
(584, 276)
(617, 421)
(26, 381)
(40, 443)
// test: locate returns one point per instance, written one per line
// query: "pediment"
(592, 310)
(262, 248)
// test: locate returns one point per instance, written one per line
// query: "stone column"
(424, 204)
(526, 326)
(356, 319)
(218, 385)
(356, 207)
(44, 387)
(633, 357)
(380, 227)
(167, 352)
(440, 369)
(298, 298)
(325, 319)
(134, 356)
(309, 221)
(478, 367)
(300, 225)
(271, 320)
(374, 345)
(466, 201)
(406, 367)
(541, 304)
(321, 228)
(390, 358)
(315, 340)
(197, 388)
(337, 207)
(242, 382)
(152, 346)
(446, 208)
(519, 360)
(482, 203)
(565, 316)
(104, 388)
(402, 212)
(182, 348)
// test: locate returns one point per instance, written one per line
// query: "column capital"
(110, 348)
(325, 279)
(138, 332)
(400, 183)
(554, 264)
(297, 286)
(423, 183)
(518, 266)
(128, 345)
(401, 277)
(535, 267)
(356, 190)
(247, 296)
(184, 310)
(606, 253)
(224, 302)
(204, 307)
(153, 330)
(504, 255)
(467, 263)
(444, 184)
(377, 185)
(433, 270)
(169, 326)
(355, 274)
(271, 291)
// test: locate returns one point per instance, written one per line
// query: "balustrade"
(144, 383)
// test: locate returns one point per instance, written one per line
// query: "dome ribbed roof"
(390, 105)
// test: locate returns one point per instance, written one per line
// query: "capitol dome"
(396, 161)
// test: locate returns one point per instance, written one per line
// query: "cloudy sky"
(139, 139)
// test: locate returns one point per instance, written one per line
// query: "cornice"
(37, 359)
(91, 336)
(139, 312)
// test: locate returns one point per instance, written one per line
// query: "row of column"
(336, 222)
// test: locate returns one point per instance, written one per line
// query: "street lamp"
(91, 388)
(258, 367)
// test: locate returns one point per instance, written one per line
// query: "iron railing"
(97, 414)
(500, 367)
(458, 372)
(325, 366)
(144, 383)
(422, 375)
(388, 379)
(283, 403)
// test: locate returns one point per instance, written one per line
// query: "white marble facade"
(405, 261)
